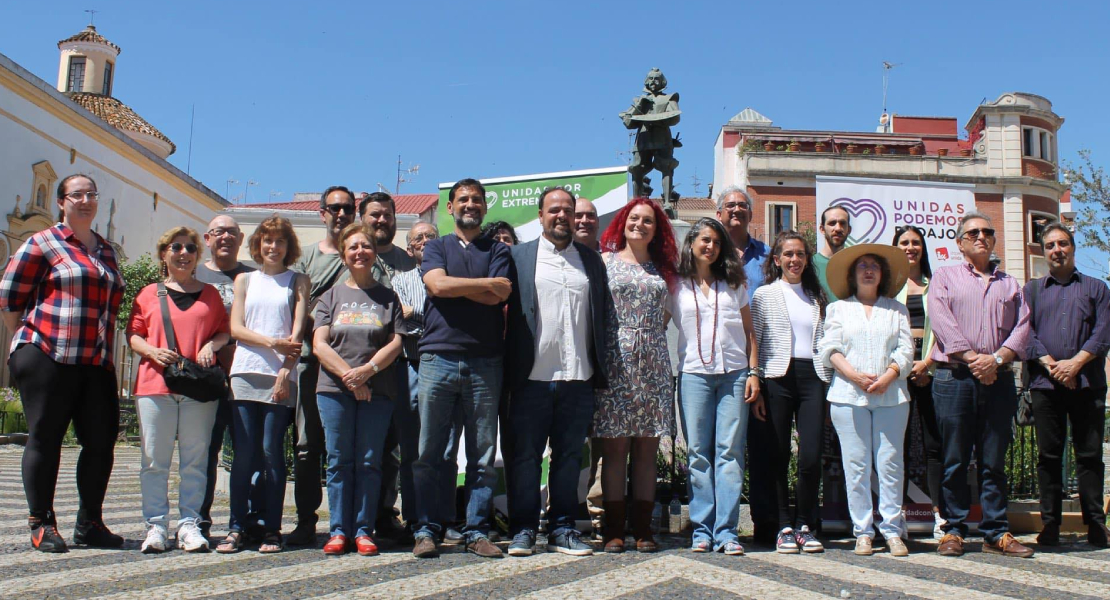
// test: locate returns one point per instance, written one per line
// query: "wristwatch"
(997, 359)
(374, 365)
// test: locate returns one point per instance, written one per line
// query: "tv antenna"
(402, 174)
(696, 181)
(884, 120)
(92, 15)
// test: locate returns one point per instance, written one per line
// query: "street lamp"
(247, 190)
(227, 189)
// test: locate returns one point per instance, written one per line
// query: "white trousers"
(871, 439)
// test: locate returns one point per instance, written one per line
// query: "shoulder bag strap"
(171, 339)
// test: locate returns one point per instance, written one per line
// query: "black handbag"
(186, 377)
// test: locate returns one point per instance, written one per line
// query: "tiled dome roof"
(89, 34)
(118, 115)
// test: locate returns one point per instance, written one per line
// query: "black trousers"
(1052, 409)
(797, 399)
(762, 494)
(922, 398)
(54, 395)
(308, 492)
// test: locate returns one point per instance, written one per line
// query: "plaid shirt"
(69, 296)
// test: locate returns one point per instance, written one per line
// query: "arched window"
(40, 196)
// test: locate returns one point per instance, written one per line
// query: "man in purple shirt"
(1067, 351)
(981, 324)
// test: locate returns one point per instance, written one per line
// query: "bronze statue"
(652, 115)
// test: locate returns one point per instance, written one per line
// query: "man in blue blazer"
(555, 358)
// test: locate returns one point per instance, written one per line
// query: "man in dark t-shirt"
(461, 367)
(223, 238)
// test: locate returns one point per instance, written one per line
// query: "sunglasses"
(176, 247)
(972, 234)
(335, 209)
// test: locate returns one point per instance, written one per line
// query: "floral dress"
(639, 401)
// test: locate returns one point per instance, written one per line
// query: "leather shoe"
(1098, 534)
(366, 546)
(1049, 535)
(484, 548)
(1007, 546)
(951, 545)
(337, 545)
(425, 547)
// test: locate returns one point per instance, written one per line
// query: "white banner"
(878, 206)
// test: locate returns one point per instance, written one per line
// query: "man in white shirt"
(555, 359)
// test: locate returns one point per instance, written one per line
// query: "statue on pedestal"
(652, 115)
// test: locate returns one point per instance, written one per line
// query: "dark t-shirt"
(361, 322)
(223, 281)
(391, 264)
(461, 324)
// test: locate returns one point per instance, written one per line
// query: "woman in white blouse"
(717, 351)
(788, 314)
(867, 341)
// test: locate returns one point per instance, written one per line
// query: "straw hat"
(837, 273)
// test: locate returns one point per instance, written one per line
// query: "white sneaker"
(155, 541)
(938, 526)
(190, 539)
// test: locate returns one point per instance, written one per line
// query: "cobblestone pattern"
(1075, 571)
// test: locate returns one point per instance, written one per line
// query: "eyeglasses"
(335, 209)
(176, 247)
(86, 196)
(735, 205)
(424, 236)
(222, 231)
(972, 234)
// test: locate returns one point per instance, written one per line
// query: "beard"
(465, 221)
(384, 235)
(561, 235)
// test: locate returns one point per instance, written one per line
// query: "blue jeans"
(973, 415)
(354, 436)
(561, 411)
(715, 424)
(407, 416)
(258, 430)
(450, 382)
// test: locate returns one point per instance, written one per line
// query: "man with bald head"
(223, 238)
(586, 224)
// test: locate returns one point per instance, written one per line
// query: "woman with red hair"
(638, 406)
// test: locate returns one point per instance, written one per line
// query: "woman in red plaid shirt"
(60, 294)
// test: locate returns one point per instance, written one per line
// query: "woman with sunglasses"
(788, 315)
(200, 330)
(267, 321)
(911, 241)
(60, 295)
(718, 380)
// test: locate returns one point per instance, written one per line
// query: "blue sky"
(298, 97)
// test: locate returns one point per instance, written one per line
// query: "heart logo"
(868, 219)
(491, 200)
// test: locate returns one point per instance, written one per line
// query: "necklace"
(697, 317)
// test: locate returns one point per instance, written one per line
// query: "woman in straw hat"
(867, 341)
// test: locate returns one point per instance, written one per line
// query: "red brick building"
(1008, 155)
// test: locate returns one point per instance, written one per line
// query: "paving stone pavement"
(1073, 571)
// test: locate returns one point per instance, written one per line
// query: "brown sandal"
(231, 544)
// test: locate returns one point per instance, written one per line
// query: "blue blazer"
(520, 342)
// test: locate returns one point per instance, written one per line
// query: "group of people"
(386, 359)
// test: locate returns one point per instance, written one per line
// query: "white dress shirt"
(870, 345)
(725, 352)
(562, 315)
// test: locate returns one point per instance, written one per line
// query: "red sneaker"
(337, 545)
(366, 546)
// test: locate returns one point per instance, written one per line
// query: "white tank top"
(800, 309)
(265, 311)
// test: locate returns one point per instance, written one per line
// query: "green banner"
(515, 200)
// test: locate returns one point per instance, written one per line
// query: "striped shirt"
(410, 289)
(70, 296)
(968, 314)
